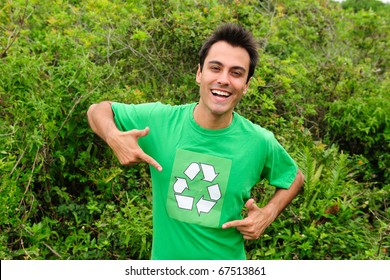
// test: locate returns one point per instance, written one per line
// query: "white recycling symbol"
(187, 202)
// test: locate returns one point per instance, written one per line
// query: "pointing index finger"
(235, 223)
(148, 159)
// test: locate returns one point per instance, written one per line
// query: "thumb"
(251, 204)
(141, 132)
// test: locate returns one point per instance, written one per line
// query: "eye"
(237, 73)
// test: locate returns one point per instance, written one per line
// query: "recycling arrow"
(180, 185)
(192, 170)
(204, 206)
(208, 172)
(184, 202)
(214, 192)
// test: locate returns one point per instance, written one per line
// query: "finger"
(236, 223)
(250, 204)
(140, 132)
(249, 237)
(148, 159)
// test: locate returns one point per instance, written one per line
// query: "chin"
(219, 110)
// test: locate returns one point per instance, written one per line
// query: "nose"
(223, 78)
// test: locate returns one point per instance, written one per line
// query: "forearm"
(283, 197)
(101, 119)
(124, 144)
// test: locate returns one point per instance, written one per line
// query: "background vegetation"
(322, 86)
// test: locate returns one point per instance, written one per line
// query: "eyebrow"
(221, 64)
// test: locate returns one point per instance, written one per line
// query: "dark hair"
(236, 36)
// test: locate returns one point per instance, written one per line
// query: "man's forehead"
(223, 53)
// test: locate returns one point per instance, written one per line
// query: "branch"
(15, 33)
(44, 243)
(77, 101)
(19, 159)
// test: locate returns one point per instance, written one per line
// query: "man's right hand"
(126, 148)
(124, 144)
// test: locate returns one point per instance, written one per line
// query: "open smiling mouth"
(219, 93)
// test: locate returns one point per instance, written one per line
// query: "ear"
(198, 75)
(247, 85)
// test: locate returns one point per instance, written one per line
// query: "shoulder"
(160, 109)
(150, 108)
(252, 129)
(169, 107)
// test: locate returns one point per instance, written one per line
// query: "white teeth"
(222, 93)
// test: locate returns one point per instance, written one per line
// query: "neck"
(208, 120)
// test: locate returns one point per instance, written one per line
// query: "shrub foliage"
(321, 86)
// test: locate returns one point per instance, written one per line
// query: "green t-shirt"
(206, 179)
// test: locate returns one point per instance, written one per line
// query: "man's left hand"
(253, 226)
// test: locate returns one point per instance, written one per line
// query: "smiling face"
(223, 81)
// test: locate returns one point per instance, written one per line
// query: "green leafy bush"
(322, 78)
(361, 127)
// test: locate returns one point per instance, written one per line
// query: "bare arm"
(101, 119)
(283, 197)
(124, 144)
(258, 219)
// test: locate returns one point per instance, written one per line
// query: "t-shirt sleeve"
(132, 116)
(279, 169)
(137, 116)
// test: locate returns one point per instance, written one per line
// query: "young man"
(205, 157)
